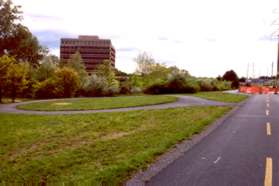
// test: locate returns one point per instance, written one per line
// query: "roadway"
(244, 150)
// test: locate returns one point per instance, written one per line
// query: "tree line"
(28, 71)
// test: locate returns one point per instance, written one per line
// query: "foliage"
(5, 62)
(67, 82)
(16, 79)
(25, 46)
(16, 39)
(231, 76)
(95, 86)
(145, 63)
(9, 14)
(46, 89)
(46, 69)
(103, 82)
(75, 62)
(28, 90)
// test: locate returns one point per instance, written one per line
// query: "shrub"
(46, 89)
(95, 86)
(176, 85)
(67, 82)
(206, 85)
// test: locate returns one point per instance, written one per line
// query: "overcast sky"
(204, 37)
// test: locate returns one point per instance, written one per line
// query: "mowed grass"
(92, 149)
(221, 96)
(97, 103)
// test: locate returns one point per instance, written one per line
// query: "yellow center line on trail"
(268, 129)
(267, 112)
(268, 172)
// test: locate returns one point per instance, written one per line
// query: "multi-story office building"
(92, 49)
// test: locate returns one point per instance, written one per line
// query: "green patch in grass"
(97, 103)
(221, 96)
(92, 149)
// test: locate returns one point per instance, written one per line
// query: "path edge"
(141, 177)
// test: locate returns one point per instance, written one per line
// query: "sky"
(203, 37)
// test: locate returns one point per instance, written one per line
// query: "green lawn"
(220, 96)
(98, 103)
(92, 149)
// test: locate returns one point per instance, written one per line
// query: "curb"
(143, 176)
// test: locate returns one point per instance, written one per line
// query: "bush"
(67, 82)
(206, 85)
(176, 85)
(99, 86)
(46, 89)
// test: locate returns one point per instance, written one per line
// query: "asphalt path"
(183, 101)
(243, 151)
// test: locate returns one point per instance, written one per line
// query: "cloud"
(271, 37)
(128, 49)
(43, 17)
(51, 38)
(163, 38)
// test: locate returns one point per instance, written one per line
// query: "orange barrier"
(257, 90)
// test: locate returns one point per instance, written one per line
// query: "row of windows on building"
(87, 43)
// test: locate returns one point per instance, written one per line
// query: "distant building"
(92, 49)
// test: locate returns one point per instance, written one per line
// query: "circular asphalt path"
(183, 101)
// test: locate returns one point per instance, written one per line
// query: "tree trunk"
(0, 95)
(13, 93)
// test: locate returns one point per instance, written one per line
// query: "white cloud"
(204, 37)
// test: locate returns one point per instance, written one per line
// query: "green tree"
(46, 69)
(5, 62)
(67, 82)
(9, 14)
(145, 63)
(25, 46)
(16, 39)
(77, 64)
(16, 79)
(107, 71)
(231, 76)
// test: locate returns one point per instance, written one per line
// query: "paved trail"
(243, 151)
(181, 102)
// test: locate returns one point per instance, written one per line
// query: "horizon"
(237, 33)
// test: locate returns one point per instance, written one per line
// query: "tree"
(46, 69)
(25, 46)
(67, 82)
(16, 79)
(5, 62)
(145, 63)
(106, 70)
(16, 39)
(231, 76)
(75, 62)
(8, 15)
(96, 86)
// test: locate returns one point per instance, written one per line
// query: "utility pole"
(253, 70)
(272, 69)
(277, 63)
(247, 73)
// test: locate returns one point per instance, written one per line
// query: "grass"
(221, 96)
(97, 103)
(92, 149)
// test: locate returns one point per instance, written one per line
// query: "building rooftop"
(86, 40)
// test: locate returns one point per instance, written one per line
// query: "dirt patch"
(61, 103)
